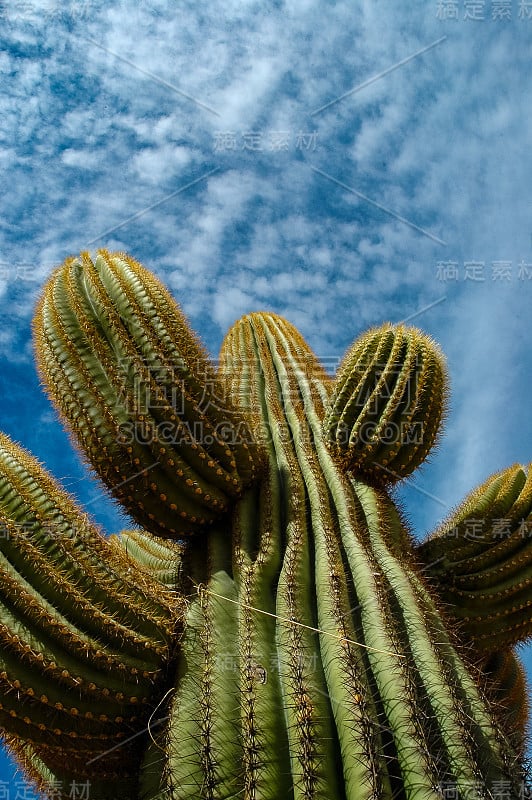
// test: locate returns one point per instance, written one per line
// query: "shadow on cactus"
(271, 629)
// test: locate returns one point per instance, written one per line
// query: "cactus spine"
(271, 629)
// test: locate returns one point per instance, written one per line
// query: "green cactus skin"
(272, 629)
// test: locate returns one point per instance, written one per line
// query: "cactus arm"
(40, 513)
(481, 561)
(83, 645)
(61, 324)
(137, 390)
(388, 402)
(506, 495)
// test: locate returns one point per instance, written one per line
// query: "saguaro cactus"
(271, 629)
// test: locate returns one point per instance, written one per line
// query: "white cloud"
(230, 304)
(84, 158)
(155, 165)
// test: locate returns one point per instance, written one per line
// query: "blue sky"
(340, 164)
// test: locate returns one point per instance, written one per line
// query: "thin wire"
(158, 721)
(299, 624)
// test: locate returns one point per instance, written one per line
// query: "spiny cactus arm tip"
(247, 347)
(133, 384)
(389, 400)
(481, 560)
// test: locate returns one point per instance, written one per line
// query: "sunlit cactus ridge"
(271, 628)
